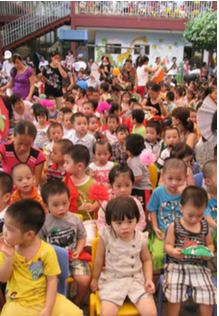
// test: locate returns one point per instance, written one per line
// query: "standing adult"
(186, 69)
(52, 75)
(6, 68)
(128, 73)
(22, 79)
(43, 63)
(105, 68)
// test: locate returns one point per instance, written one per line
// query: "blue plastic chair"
(159, 287)
(62, 255)
(198, 177)
(196, 168)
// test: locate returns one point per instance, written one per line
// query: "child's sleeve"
(154, 202)
(81, 231)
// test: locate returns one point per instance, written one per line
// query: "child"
(118, 148)
(100, 168)
(104, 90)
(56, 171)
(21, 150)
(154, 103)
(142, 185)
(88, 108)
(64, 229)
(6, 186)
(33, 262)
(131, 275)
(121, 179)
(93, 127)
(80, 135)
(164, 206)
(52, 111)
(70, 103)
(170, 103)
(153, 142)
(189, 271)
(171, 138)
(24, 181)
(81, 99)
(125, 105)
(112, 122)
(67, 125)
(137, 121)
(41, 117)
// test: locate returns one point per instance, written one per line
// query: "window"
(137, 49)
(142, 49)
(113, 48)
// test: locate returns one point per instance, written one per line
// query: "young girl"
(121, 179)
(93, 126)
(112, 122)
(154, 103)
(41, 116)
(100, 168)
(21, 150)
(125, 102)
(128, 264)
(81, 99)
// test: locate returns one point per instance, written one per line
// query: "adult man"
(7, 66)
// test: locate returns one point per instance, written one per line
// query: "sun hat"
(7, 54)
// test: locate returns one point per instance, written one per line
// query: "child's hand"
(149, 287)
(6, 248)
(94, 285)
(177, 253)
(75, 255)
(88, 207)
(159, 233)
(45, 312)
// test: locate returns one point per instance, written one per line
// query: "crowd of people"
(70, 133)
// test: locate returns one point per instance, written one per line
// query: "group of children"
(48, 169)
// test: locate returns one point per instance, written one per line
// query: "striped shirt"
(54, 173)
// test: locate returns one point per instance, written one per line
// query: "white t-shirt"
(7, 66)
(142, 76)
(43, 63)
(68, 134)
(26, 115)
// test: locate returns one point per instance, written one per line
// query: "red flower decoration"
(98, 192)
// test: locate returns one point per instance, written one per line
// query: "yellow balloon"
(116, 72)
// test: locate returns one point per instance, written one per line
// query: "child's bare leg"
(146, 307)
(206, 309)
(83, 282)
(173, 309)
(108, 309)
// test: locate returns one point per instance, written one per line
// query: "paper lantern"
(116, 72)
(160, 76)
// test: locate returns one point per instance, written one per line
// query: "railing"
(44, 15)
(174, 9)
(17, 7)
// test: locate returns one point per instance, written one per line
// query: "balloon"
(82, 84)
(160, 76)
(116, 72)
(4, 120)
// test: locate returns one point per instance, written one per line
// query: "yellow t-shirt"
(27, 284)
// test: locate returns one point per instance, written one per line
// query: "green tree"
(201, 32)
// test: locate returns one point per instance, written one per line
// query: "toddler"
(125, 105)
(171, 138)
(81, 99)
(88, 108)
(137, 121)
(170, 104)
(6, 186)
(153, 142)
(112, 122)
(183, 271)
(93, 126)
(66, 230)
(118, 148)
(70, 103)
(67, 125)
(52, 111)
(132, 274)
(41, 139)
(164, 206)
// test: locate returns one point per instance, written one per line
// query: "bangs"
(119, 215)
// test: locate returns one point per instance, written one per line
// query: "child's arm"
(157, 231)
(46, 164)
(80, 247)
(169, 244)
(51, 292)
(98, 264)
(147, 270)
(211, 222)
(7, 266)
(38, 173)
(209, 243)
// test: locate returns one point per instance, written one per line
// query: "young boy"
(112, 121)
(56, 171)
(93, 129)
(67, 125)
(6, 186)
(80, 135)
(64, 229)
(118, 148)
(189, 271)
(164, 206)
(88, 108)
(33, 262)
(171, 138)
(137, 121)
(24, 181)
(153, 142)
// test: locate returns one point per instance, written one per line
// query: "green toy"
(197, 251)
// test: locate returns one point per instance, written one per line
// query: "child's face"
(171, 137)
(23, 179)
(96, 96)
(191, 214)
(56, 155)
(174, 178)
(193, 117)
(93, 124)
(112, 124)
(124, 229)
(12, 232)
(69, 165)
(188, 160)
(153, 94)
(22, 144)
(75, 92)
(42, 119)
(102, 154)
(121, 136)
(212, 182)
(69, 105)
(55, 134)
(126, 98)
(67, 121)
(19, 106)
(122, 185)
(151, 134)
(87, 109)
(58, 205)
(81, 125)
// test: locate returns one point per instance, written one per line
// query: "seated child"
(6, 186)
(118, 148)
(67, 125)
(121, 180)
(100, 168)
(88, 108)
(24, 181)
(183, 271)
(56, 171)
(104, 90)
(142, 185)
(66, 230)
(41, 139)
(52, 111)
(70, 103)
(153, 142)
(171, 138)
(128, 121)
(93, 126)
(137, 121)
(164, 206)
(112, 121)
(33, 262)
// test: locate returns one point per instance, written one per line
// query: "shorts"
(179, 277)
(79, 267)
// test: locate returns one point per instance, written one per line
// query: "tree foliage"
(202, 32)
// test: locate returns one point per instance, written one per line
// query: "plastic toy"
(197, 251)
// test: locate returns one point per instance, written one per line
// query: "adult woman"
(22, 79)
(142, 74)
(128, 73)
(105, 68)
(181, 119)
(204, 71)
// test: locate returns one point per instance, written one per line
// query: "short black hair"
(138, 115)
(28, 214)
(104, 86)
(196, 195)
(112, 116)
(65, 144)
(92, 116)
(102, 142)
(170, 95)
(83, 91)
(114, 107)
(39, 111)
(76, 115)
(54, 125)
(155, 125)
(19, 165)
(6, 183)
(209, 168)
(118, 170)
(79, 153)
(89, 102)
(135, 144)
(181, 150)
(54, 188)
(75, 87)
(65, 109)
(119, 208)
(171, 129)
(122, 128)
(70, 99)
(155, 87)
(25, 128)
(15, 97)
(174, 163)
